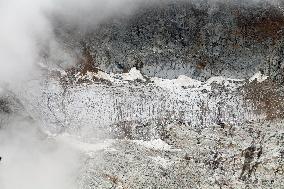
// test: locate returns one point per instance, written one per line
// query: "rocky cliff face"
(122, 101)
(198, 39)
(190, 94)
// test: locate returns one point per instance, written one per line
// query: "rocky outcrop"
(113, 107)
(198, 39)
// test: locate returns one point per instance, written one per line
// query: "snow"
(259, 77)
(105, 76)
(133, 74)
(157, 144)
(181, 81)
(184, 82)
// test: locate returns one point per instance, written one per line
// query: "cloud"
(22, 25)
(31, 160)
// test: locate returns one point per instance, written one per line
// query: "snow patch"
(184, 82)
(181, 81)
(157, 144)
(105, 76)
(259, 77)
(133, 74)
